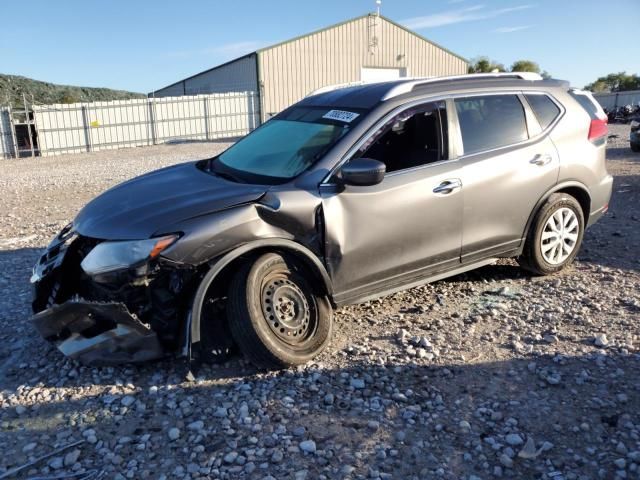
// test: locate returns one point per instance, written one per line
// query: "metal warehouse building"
(367, 48)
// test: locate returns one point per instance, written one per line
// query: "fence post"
(14, 138)
(28, 122)
(152, 120)
(206, 117)
(85, 127)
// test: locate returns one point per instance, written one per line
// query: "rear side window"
(545, 109)
(491, 121)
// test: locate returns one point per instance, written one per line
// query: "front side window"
(285, 146)
(491, 121)
(412, 138)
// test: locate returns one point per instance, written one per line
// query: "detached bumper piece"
(97, 333)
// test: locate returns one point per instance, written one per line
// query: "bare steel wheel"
(275, 316)
(286, 310)
(555, 235)
(560, 236)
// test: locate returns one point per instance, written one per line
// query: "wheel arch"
(576, 189)
(221, 265)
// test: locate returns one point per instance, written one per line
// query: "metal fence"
(618, 99)
(7, 143)
(88, 127)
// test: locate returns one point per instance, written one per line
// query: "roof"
(367, 96)
(275, 45)
(335, 25)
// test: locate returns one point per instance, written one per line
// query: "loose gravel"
(492, 374)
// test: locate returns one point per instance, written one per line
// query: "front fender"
(218, 265)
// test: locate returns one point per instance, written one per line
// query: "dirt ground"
(491, 374)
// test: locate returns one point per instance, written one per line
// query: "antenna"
(378, 4)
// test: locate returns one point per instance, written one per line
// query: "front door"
(383, 236)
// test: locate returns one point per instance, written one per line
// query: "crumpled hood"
(138, 208)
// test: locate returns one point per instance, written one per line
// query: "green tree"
(485, 65)
(615, 82)
(526, 66)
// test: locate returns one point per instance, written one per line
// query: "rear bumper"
(97, 333)
(600, 198)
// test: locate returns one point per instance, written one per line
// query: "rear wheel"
(276, 318)
(555, 236)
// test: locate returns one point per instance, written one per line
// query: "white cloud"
(468, 14)
(224, 51)
(236, 49)
(512, 29)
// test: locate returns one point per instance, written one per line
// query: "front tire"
(275, 317)
(554, 237)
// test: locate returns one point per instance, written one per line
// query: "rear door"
(508, 163)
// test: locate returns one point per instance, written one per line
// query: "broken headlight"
(111, 256)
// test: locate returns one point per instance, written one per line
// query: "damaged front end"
(103, 316)
(97, 333)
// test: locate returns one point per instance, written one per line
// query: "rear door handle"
(541, 159)
(448, 186)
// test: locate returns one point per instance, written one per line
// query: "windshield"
(285, 146)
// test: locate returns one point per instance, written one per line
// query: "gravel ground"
(492, 374)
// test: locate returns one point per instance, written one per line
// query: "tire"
(635, 147)
(538, 255)
(275, 317)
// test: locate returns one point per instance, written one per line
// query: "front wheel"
(555, 235)
(275, 317)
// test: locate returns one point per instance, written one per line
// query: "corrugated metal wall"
(85, 127)
(237, 76)
(6, 137)
(293, 69)
(618, 99)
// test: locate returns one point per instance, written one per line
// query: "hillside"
(13, 86)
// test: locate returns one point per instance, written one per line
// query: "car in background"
(346, 196)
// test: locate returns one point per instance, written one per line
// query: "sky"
(142, 45)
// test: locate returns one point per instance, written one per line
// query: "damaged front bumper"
(97, 333)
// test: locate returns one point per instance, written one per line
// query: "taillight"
(597, 129)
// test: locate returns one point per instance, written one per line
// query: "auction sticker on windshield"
(341, 115)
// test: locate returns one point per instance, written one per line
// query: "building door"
(370, 74)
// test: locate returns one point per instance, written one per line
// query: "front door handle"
(448, 186)
(541, 159)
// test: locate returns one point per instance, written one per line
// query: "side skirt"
(340, 301)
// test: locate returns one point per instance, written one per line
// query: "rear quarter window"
(586, 103)
(544, 108)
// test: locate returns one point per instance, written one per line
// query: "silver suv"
(348, 195)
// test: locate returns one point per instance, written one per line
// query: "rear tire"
(275, 317)
(555, 236)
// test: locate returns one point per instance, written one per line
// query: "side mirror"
(363, 172)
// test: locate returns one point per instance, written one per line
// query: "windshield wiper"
(222, 173)
(228, 176)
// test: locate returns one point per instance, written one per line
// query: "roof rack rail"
(407, 87)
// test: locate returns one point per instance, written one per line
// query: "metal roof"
(314, 33)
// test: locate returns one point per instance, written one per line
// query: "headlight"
(110, 256)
